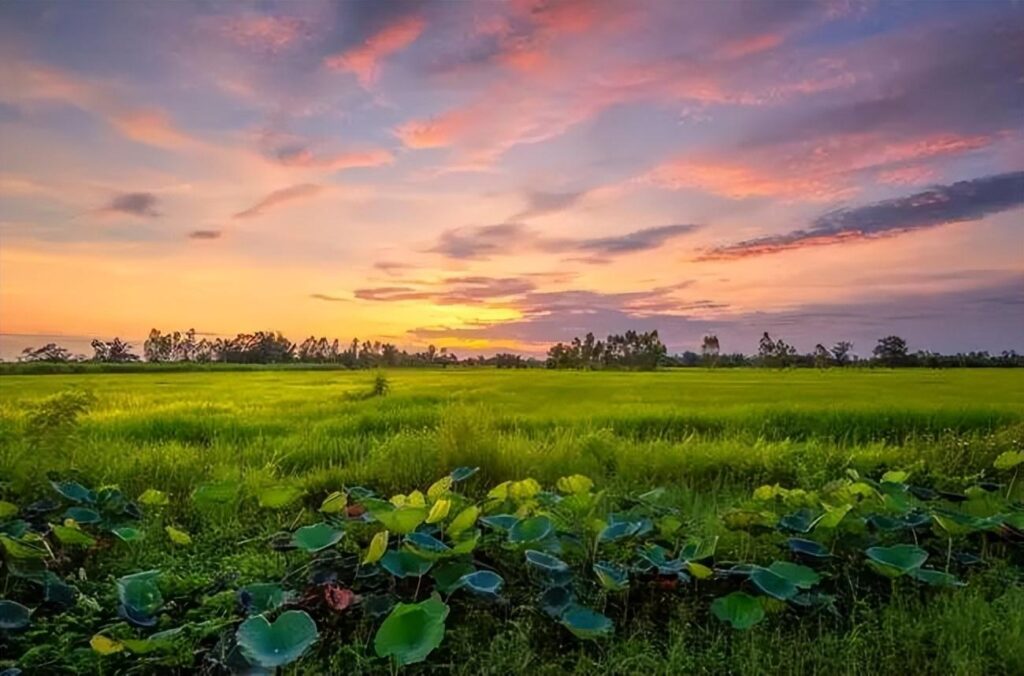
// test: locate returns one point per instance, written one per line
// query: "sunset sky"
(501, 175)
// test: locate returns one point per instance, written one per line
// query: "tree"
(891, 351)
(821, 356)
(116, 351)
(841, 352)
(766, 349)
(709, 350)
(51, 352)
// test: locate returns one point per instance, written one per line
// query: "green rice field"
(748, 459)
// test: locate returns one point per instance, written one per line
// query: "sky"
(493, 176)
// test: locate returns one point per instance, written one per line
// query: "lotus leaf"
(412, 631)
(405, 564)
(585, 623)
(274, 644)
(739, 609)
(317, 537)
(13, 615)
(896, 560)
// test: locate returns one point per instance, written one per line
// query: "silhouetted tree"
(891, 351)
(841, 352)
(709, 350)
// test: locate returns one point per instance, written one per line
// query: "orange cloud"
(152, 127)
(354, 159)
(30, 83)
(281, 196)
(363, 61)
(740, 181)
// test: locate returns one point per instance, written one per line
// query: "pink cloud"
(152, 127)
(820, 171)
(363, 61)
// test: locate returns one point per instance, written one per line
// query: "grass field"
(708, 437)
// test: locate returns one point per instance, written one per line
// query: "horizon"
(504, 176)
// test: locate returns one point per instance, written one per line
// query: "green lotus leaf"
(405, 564)
(957, 523)
(895, 477)
(73, 537)
(400, 520)
(275, 644)
(154, 498)
(808, 548)
(833, 516)
(936, 578)
(801, 521)
(58, 593)
(262, 597)
(739, 609)
(896, 560)
(7, 510)
(83, 515)
(545, 562)
(412, 631)
(698, 550)
(585, 623)
(500, 521)
(463, 473)
(801, 576)
(13, 615)
(554, 600)
(217, 493)
(74, 491)
(773, 584)
(619, 530)
(140, 593)
(317, 537)
(447, 574)
(612, 577)
(279, 496)
(1008, 459)
(127, 533)
(334, 503)
(530, 531)
(466, 543)
(482, 583)
(29, 546)
(427, 546)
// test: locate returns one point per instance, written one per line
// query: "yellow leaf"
(440, 488)
(334, 503)
(104, 645)
(439, 511)
(416, 499)
(524, 490)
(699, 570)
(463, 520)
(178, 537)
(501, 491)
(575, 484)
(378, 545)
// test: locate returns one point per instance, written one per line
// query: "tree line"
(631, 350)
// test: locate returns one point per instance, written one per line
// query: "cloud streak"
(942, 205)
(505, 239)
(278, 197)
